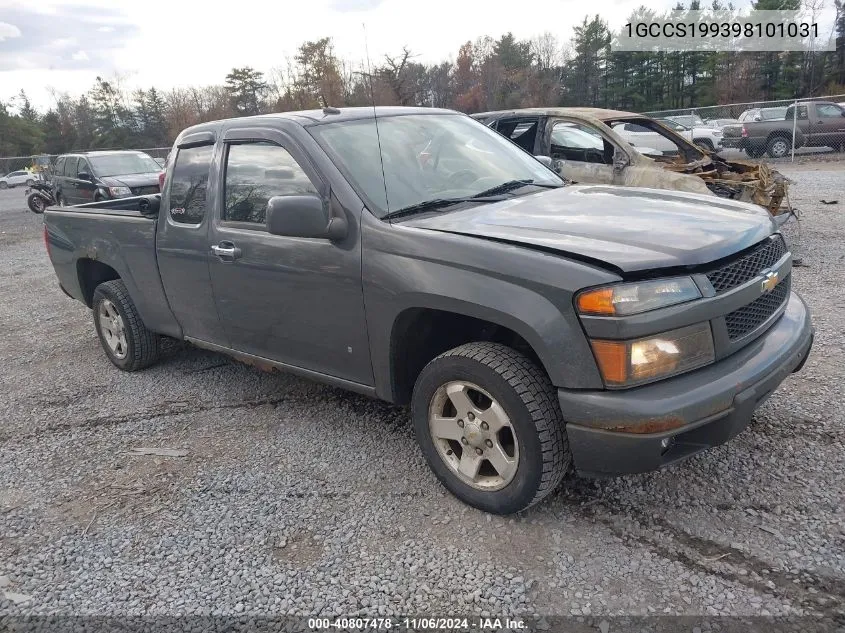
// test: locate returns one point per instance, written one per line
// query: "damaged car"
(588, 145)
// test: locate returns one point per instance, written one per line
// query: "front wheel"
(706, 144)
(124, 337)
(36, 204)
(30, 182)
(489, 424)
(4, 185)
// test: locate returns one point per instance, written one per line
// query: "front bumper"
(708, 406)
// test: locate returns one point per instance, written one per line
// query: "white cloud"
(179, 49)
(8, 31)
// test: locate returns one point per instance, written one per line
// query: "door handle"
(226, 251)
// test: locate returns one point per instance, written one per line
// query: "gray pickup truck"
(417, 256)
(819, 124)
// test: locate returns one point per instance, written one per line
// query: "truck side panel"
(122, 240)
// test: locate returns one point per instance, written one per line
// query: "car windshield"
(417, 158)
(123, 164)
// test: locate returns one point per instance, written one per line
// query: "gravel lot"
(299, 498)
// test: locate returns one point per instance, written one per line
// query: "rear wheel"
(489, 424)
(778, 147)
(36, 204)
(124, 337)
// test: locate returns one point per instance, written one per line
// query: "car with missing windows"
(417, 256)
(104, 175)
(617, 155)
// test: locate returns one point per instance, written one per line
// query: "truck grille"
(748, 266)
(145, 191)
(748, 318)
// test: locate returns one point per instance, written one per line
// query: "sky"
(62, 45)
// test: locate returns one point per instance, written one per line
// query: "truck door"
(829, 126)
(182, 242)
(297, 301)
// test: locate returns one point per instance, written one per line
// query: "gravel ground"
(298, 498)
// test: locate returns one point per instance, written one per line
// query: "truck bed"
(89, 241)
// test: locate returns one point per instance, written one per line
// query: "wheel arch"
(421, 333)
(91, 273)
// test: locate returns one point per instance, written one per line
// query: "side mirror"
(546, 160)
(620, 160)
(83, 175)
(303, 216)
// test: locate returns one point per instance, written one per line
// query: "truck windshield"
(123, 164)
(418, 158)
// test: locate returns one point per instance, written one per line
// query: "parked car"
(430, 261)
(687, 120)
(613, 156)
(16, 179)
(720, 123)
(104, 175)
(705, 136)
(819, 124)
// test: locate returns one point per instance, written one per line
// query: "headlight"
(120, 192)
(630, 363)
(625, 299)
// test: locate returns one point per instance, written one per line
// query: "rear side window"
(520, 131)
(189, 184)
(255, 172)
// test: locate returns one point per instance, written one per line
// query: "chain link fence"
(767, 128)
(9, 164)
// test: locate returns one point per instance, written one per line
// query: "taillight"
(744, 131)
(47, 242)
(161, 181)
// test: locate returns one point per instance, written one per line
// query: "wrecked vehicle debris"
(586, 145)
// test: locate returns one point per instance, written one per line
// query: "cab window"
(256, 172)
(189, 184)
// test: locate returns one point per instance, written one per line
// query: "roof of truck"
(328, 115)
(594, 113)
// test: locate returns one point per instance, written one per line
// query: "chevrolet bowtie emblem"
(770, 282)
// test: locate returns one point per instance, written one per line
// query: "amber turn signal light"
(599, 301)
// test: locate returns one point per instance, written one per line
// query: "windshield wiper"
(438, 203)
(510, 185)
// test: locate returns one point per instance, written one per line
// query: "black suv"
(94, 176)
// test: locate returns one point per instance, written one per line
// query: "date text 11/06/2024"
(417, 623)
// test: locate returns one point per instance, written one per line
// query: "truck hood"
(131, 180)
(631, 229)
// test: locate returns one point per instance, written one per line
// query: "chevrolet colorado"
(417, 256)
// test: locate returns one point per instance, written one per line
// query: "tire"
(778, 147)
(754, 152)
(706, 143)
(538, 445)
(140, 348)
(36, 204)
(4, 185)
(30, 182)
